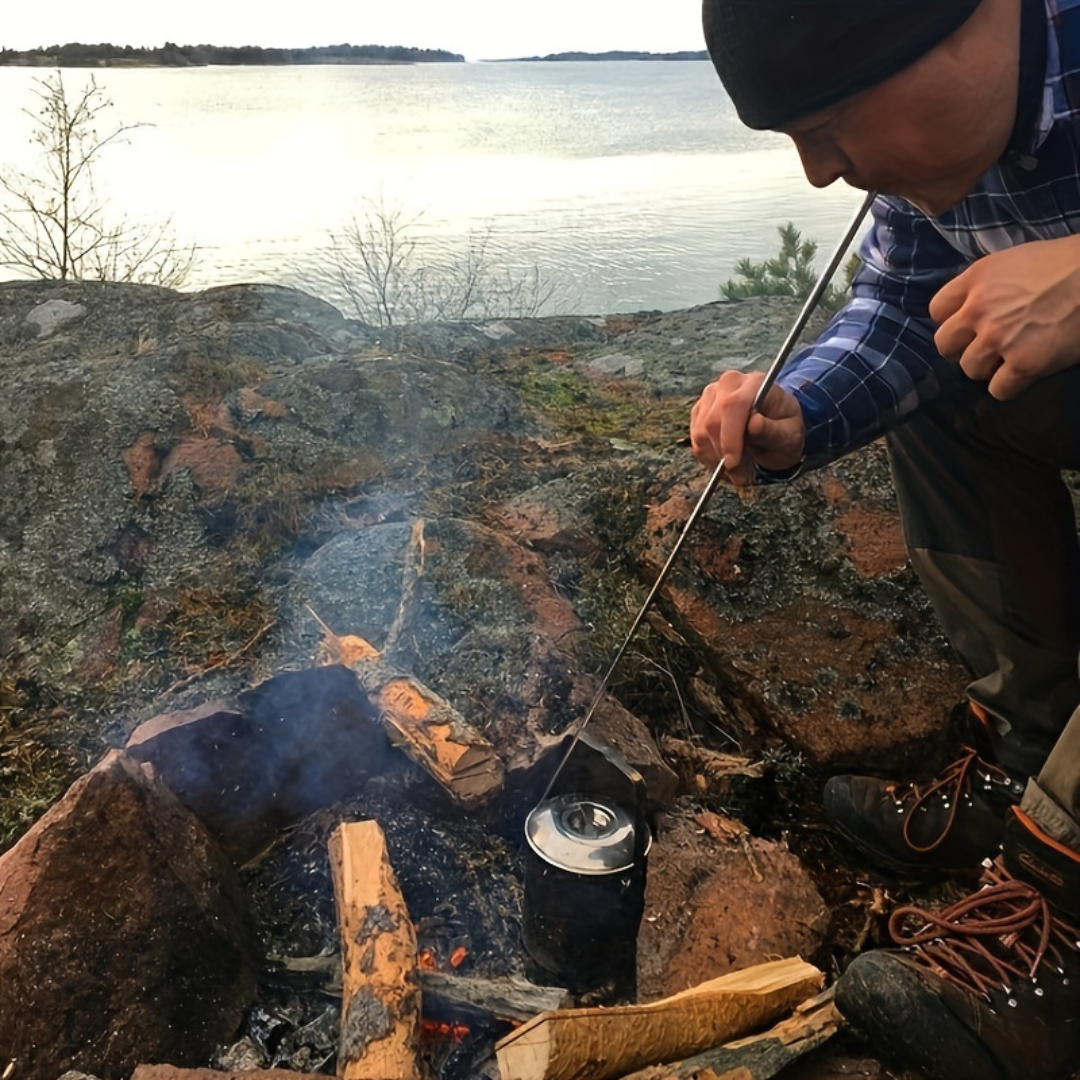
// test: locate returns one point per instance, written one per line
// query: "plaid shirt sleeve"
(876, 361)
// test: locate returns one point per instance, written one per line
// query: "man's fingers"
(953, 338)
(704, 451)
(733, 433)
(742, 476)
(1007, 383)
(739, 392)
(723, 427)
(763, 432)
(949, 299)
(980, 363)
(1012, 318)
(703, 443)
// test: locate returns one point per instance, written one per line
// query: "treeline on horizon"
(76, 54)
(622, 54)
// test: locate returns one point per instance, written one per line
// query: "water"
(627, 185)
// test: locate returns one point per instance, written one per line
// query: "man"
(961, 344)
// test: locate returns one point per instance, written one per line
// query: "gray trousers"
(991, 530)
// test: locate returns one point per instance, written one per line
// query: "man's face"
(930, 132)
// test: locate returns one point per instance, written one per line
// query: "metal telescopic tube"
(766, 385)
(811, 303)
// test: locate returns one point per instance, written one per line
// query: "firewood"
(508, 999)
(321, 973)
(758, 1057)
(603, 1044)
(424, 726)
(380, 1001)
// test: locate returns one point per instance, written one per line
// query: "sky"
(480, 29)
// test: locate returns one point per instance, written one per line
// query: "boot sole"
(902, 1016)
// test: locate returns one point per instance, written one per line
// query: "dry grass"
(211, 378)
(32, 778)
(212, 628)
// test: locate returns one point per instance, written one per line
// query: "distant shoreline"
(107, 55)
(79, 55)
(614, 54)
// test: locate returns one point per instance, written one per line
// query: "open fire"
(390, 915)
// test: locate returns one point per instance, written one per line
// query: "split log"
(603, 1044)
(758, 1057)
(424, 726)
(506, 999)
(320, 973)
(510, 998)
(380, 1002)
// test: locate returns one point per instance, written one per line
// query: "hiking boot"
(988, 989)
(950, 824)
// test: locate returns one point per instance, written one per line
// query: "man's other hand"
(721, 427)
(1013, 317)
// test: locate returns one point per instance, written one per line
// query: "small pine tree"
(790, 273)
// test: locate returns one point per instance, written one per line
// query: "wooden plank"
(423, 725)
(380, 1004)
(604, 1044)
(758, 1057)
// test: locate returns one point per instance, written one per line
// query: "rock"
(549, 519)
(717, 899)
(808, 621)
(214, 465)
(123, 934)
(680, 352)
(294, 744)
(169, 460)
(353, 583)
(615, 363)
(52, 314)
(138, 419)
(393, 408)
(481, 623)
(467, 340)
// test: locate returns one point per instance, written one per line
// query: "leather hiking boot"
(951, 824)
(988, 989)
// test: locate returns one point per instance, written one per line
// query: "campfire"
(331, 875)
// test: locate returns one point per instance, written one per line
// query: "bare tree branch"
(390, 277)
(54, 224)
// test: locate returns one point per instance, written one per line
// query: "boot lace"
(999, 934)
(953, 783)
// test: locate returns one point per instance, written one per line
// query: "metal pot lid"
(585, 834)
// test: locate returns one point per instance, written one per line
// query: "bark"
(380, 1003)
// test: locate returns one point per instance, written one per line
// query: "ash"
(460, 875)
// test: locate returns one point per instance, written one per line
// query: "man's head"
(909, 97)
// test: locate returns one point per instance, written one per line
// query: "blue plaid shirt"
(876, 362)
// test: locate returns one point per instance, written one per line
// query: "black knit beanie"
(780, 60)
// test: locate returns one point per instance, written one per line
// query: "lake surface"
(626, 185)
